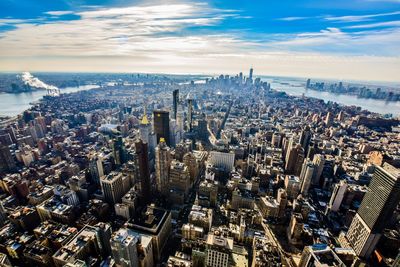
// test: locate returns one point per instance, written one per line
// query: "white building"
(222, 160)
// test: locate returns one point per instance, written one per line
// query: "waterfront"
(14, 104)
(296, 87)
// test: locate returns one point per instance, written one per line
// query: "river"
(14, 104)
(296, 87)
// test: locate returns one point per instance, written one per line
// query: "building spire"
(145, 121)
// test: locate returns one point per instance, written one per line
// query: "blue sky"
(339, 39)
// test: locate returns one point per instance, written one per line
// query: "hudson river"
(14, 104)
(296, 87)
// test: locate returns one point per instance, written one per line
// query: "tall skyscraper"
(375, 210)
(294, 160)
(113, 187)
(190, 114)
(144, 128)
(161, 125)
(124, 248)
(251, 74)
(175, 102)
(96, 169)
(119, 151)
(7, 162)
(305, 138)
(142, 153)
(329, 119)
(163, 161)
(319, 161)
(306, 175)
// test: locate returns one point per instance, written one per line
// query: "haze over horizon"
(349, 40)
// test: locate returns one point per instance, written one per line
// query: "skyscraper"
(161, 125)
(306, 175)
(190, 113)
(96, 169)
(113, 187)
(375, 210)
(251, 74)
(329, 119)
(144, 128)
(305, 138)
(294, 160)
(118, 151)
(163, 161)
(175, 101)
(142, 154)
(7, 162)
(124, 248)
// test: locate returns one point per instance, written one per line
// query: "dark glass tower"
(119, 151)
(142, 153)
(175, 101)
(161, 125)
(190, 115)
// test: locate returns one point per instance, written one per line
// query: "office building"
(375, 210)
(124, 244)
(294, 160)
(88, 242)
(96, 169)
(305, 138)
(175, 102)
(189, 119)
(145, 128)
(162, 165)
(114, 186)
(306, 176)
(320, 255)
(292, 186)
(218, 250)
(222, 160)
(339, 190)
(142, 154)
(154, 222)
(119, 151)
(179, 181)
(7, 162)
(161, 125)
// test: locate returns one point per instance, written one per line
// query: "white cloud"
(395, 23)
(359, 18)
(59, 13)
(158, 38)
(293, 18)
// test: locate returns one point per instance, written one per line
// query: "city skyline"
(302, 39)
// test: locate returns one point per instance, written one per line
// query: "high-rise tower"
(144, 128)
(142, 154)
(190, 113)
(163, 161)
(175, 102)
(375, 210)
(161, 125)
(305, 138)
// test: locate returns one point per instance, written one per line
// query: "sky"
(340, 39)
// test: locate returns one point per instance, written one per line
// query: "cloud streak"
(360, 18)
(160, 37)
